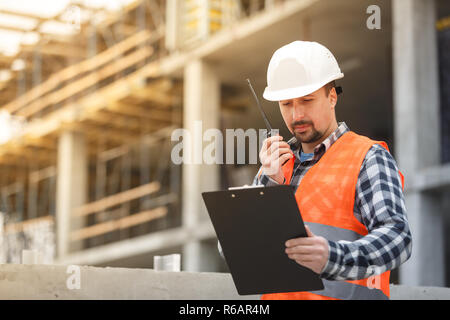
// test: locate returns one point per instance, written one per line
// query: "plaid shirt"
(379, 205)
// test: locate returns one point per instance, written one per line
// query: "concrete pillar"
(201, 103)
(416, 116)
(71, 187)
(172, 32)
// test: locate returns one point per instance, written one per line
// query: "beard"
(309, 136)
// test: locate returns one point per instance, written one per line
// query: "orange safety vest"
(325, 198)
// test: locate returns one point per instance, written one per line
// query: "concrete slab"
(419, 293)
(51, 282)
(54, 282)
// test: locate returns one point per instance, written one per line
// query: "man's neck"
(309, 147)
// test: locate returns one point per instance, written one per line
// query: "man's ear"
(332, 97)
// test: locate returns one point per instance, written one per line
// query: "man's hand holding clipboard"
(310, 252)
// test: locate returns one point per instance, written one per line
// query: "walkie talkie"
(269, 127)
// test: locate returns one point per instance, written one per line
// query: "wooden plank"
(113, 18)
(96, 131)
(121, 120)
(110, 154)
(118, 198)
(161, 200)
(85, 82)
(79, 68)
(117, 124)
(122, 223)
(162, 99)
(38, 155)
(17, 150)
(14, 28)
(44, 143)
(56, 49)
(42, 174)
(145, 112)
(133, 120)
(39, 18)
(10, 159)
(6, 59)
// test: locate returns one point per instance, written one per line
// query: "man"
(348, 187)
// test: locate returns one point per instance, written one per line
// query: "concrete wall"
(51, 282)
(54, 281)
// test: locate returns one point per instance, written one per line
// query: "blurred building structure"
(92, 94)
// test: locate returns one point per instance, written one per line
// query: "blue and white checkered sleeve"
(262, 179)
(380, 206)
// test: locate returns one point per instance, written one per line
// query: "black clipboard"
(252, 225)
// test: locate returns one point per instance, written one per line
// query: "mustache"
(300, 123)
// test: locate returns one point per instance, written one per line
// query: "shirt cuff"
(332, 267)
(269, 182)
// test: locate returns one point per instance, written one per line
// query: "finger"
(280, 144)
(273, 139)
(303, 260)
(303, 257)
(277, 145)
(266, 145)
(279, 152)
(285, 157)
(275, 149)
(300, 257)
(305, 241)
(273, 159)
(268, 141)
(300, 250)
(309, 232)
(275, 163)
(284, 144)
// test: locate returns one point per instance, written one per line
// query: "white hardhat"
(298, 69)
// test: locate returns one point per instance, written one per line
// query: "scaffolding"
(104, 90)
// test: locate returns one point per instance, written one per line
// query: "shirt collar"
(342, 128)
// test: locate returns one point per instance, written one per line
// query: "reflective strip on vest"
(349, 291)
(333, 233)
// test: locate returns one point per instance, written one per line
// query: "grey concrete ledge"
(399, 292)
(429, 179)
(56, 282)
(51, 282)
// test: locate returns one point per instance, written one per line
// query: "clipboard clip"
(245, 186)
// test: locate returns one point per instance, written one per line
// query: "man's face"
(309, 117)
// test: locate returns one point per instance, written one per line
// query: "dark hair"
(329, 86)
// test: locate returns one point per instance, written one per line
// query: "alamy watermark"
(374, 281)
(374, 20)
(212, 147)
(73, 281)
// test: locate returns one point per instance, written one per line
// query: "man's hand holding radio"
(274, 153)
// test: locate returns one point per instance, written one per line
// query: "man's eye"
(307, 100)
(286, 104)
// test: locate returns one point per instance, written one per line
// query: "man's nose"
(298, 112)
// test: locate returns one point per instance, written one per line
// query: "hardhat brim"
(297, 92)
